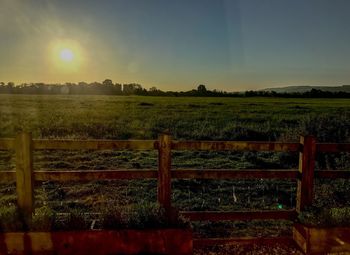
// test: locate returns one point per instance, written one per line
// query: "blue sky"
(175, 45)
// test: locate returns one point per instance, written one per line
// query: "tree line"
(107, 87)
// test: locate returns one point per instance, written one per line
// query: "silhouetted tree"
(201, 88)
(108, 88)
(107, 82)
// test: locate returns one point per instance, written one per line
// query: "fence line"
(25, 176)
(307, 157)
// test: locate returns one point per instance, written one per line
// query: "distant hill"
(302, 89)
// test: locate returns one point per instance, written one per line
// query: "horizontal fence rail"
(234, 146)
(92, 175)
(7, 144)
(67, 144)
(307, 148)
(269, 241)
(95, 145)
(333, 174)
(234, 174)
(7, 176)
(333, 147)
(239, 215)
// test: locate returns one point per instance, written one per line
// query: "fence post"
(307, 157)
(24, 174)
(164, 174)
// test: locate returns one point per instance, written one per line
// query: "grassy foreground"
(113, 117)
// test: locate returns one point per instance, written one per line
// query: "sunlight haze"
(226, 44)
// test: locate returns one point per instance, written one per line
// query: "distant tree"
(129, 89)
(201, 88)
(107, 82)
(117, 88)
(137, 86)
(82, 83)
(108, 88)
(95, 84)
(251, 93)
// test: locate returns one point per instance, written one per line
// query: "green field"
(134, 117)
(114, 117)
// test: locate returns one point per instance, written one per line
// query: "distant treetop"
(107, 87)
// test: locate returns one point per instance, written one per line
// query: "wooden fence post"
(164, 171)
(24, 174)
(307, 157)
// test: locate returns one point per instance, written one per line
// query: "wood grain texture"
(238, 215)
(24, 173)
(93, 175)
(333, 147)
(7, 176)
(270, 241)
(164, 171)
(307, 157)
(99, 242)
(94, 144)
(235, 146)
(7, 144)
(316, 240)
(234, 174)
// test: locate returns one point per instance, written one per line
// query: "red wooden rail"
(25, 176)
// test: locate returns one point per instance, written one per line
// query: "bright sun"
(66, 55)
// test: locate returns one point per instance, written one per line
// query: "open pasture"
(135, 117)
(111, 117)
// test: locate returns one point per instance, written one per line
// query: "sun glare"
(66, 55)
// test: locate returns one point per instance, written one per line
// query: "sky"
(230, 45)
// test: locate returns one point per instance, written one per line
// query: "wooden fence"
(25, 175)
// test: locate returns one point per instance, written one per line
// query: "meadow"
(136, 117)
(197, 118)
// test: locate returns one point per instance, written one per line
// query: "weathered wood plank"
(99, 242)
(164, 171)
(333, 147)
(270, 241)
(94, 144)
(238, 215)
(24, 173)
(329, 240)
(7, 144)
(318, 240)
(333, 174)
(299, 236)
(305, 188)
(234, 174)
(91, 175)
(7, 176)
(235, 146)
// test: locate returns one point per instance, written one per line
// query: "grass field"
(112, 117)
(187, 118)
